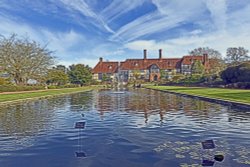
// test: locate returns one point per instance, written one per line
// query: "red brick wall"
(152, 75)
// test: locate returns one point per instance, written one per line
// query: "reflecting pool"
(133, 128)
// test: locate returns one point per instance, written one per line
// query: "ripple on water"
(136, 128)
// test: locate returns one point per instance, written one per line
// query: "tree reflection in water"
(149, 103)
(22, 122)
(165, 128)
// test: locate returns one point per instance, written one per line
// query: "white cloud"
(181, 46)
(60, 42)
(231, 28)
(165, 18)
(214, 23)
(10, 26)
(218, 9)
(141, 44)
(173, 7)
(239, 18)
(85, 61)
(116, 8)
(82, 7)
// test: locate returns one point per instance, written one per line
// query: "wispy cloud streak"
(85, 9)
(218, 9)
(61, 42)
(165, 18)
(117, 8)
(83, 30)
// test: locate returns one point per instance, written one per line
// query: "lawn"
(234, 95)
(45, 93)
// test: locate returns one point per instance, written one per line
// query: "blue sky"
(81, 31)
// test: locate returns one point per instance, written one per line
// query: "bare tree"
(216, 62)
(24, 59)
(212, 54)
(237, 55)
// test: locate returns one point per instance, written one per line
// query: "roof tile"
(106, 67)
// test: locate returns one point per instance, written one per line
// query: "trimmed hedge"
(14, 88)
(62, 86)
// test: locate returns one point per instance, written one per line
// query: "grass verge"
(39, 94)
(232, 95)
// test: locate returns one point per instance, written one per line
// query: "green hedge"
(14, 88)
(193, 79)
(62, 86)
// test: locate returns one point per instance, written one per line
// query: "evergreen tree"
(57, 77)
(80, 74)
(197, 67)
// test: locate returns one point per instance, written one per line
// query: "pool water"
(132, 128)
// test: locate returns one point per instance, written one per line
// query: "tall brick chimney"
(205, 58)
(160, 53)
(100, 59)
(145, 54)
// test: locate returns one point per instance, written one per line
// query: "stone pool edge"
(209, 99)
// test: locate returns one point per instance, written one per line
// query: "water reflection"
(136, 128)
(22, 119)
(80, 102)
(151, 103)
(20, 124)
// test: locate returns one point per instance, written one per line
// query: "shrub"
(52, 87)
(240, 73)
(193, 79)
(14, 88)
(4, 81)
(178, 77)
(62, 86)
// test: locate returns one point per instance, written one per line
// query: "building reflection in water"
(149, 102)
(20, 121)
(80, 103)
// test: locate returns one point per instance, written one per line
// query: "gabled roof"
(106, 67)
(173, 63)
(188, 60)
(143, 64)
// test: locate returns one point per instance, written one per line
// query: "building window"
(109, 74)
(136, 64)
(99, 76)
(154, 69)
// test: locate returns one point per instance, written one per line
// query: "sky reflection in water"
(137, 128)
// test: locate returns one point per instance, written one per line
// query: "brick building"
(147, 69)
